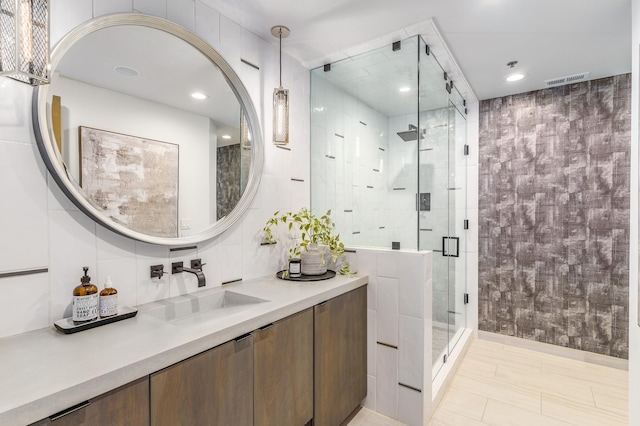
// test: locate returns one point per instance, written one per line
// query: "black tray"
(67, 326)
(327, 275)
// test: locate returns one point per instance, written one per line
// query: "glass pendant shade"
(24, 40)
(280, 116)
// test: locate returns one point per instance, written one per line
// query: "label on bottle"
(85, 308)
(108, 305)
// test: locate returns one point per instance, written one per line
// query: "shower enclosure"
(388, 158)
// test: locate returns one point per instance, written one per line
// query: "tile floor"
(499, 384)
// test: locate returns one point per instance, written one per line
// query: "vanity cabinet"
(211, 388)
(307, 368)
(340, 368)
(283, 371)
(126, 405)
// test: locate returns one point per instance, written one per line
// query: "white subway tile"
(182, 12)
(410, 352)
(411, 284)
(112, 245)
(151, 7)
(23, 211)
(24, 303)
(65, 15)
(387, 264)
(372, 333)
(123, 276)
(387, 382)
(370, 400)
(410, 409)
(15, 111)
(231, 263)
(230, 33)
(388, 311)
(208, 24)
(104, 7)
(72, 246)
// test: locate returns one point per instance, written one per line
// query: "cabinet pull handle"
(243, 337)
(323, 303)
(266, 327)
(70, 410)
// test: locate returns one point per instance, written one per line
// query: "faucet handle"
(157, 271)
(197, 264)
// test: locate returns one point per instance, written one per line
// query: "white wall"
(634, 329)
(39, 227)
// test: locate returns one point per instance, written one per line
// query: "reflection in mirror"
(149, 132)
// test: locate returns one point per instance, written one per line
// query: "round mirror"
(148, 130)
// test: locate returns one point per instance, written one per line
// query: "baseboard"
(576, 354)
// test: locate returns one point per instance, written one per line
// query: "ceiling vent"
(567, 79)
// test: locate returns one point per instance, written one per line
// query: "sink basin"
(214, 304)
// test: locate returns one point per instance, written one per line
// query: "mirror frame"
(53, 160)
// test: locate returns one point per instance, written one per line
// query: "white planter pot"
(314, 260)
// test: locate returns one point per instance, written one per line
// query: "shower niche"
(388, 158)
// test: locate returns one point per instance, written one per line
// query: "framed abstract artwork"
(133, 180)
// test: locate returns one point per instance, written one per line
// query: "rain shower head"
(411, 134)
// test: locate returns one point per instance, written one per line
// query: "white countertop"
(44, 371)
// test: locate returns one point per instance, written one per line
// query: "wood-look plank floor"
(500, 385)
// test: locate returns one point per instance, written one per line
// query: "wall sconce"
(280, 97)
(24, 40)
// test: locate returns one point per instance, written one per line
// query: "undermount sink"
(214, 304)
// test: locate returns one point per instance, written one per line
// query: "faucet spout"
(198, 273)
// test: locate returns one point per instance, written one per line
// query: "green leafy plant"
(312, 230)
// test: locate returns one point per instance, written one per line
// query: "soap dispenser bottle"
(108, 300)
(85, 300)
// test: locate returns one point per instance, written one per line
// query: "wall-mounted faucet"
(196, 269)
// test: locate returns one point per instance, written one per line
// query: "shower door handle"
(450, 240)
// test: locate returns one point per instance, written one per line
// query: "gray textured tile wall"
(228, 179)
(554, 215)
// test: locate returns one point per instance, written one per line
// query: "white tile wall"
(42, 228)
(104, 7)
(24, 303)
(410, 351)
(207, 24)
(182, 12)
(23, 191)
(387, 311)
(410, 407)
(408, 274)
(151, 7)
(387, 381)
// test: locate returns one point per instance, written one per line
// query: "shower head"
(411, 134)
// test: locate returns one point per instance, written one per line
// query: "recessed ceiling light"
(199, 96)
(226, 137)
(515, 77)
(404, 89)
(126, 71)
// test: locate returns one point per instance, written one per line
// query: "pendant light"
(24, 40)
(280, 97)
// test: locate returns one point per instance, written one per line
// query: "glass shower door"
(456, 249)
(442, 203)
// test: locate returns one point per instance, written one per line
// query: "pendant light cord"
(280, 56)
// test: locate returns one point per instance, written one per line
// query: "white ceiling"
(548, 38)
(152, 52)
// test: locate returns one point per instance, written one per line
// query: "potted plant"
(316, 235)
